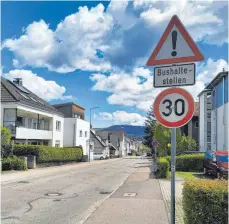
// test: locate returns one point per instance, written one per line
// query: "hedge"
(205, 201)
(162, 168)
(192, 163)
(49, 154)
(13, 163)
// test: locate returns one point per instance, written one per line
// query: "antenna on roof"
(223, 70)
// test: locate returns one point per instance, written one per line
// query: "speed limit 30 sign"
(174, 107)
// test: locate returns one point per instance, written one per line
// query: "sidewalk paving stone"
(166, 193)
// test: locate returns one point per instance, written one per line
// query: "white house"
(30, 119)
(76, 129)
(213, 119)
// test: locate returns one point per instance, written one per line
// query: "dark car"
(216, 164)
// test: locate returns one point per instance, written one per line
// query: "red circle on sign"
(184, 120)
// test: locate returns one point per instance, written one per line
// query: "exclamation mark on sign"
(174, 43)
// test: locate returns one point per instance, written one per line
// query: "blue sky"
(94, 53)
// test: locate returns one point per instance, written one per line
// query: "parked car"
(216, 164)
(99, 155)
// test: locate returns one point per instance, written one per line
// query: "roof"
(64, 104)
(216, 80)
(12, 93)
(97, 136)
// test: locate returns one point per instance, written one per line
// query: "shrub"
(205, 201)
(28, 150)
(162, 168)
(5, 136)
(13, 163)
(52, 154)
(6, 151)
(192, 163)
(49, 154)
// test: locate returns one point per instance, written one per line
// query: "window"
(20, 122)
(33, 99)
(58, 125)
(85, 134)
(57, 143)
(46, 125)
(23, 95)
(81, 133)
(9, 120)
(196, 124)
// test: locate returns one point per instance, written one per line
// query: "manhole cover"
(129, 194)
(105, 192)
(23, 182)
(53, 194)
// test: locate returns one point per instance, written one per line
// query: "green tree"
(149, 128)
(5, 136)
(163, 136)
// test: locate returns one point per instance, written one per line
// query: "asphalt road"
(74, 193)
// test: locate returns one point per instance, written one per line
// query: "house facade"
(76, 129)
(214, 110)
(191, 129)
(30, 119)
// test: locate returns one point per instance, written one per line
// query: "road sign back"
(175, 46)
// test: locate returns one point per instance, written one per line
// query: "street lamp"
(92, 108)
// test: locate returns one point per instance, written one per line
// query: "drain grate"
(105, 192)
(23, 182)
(53, 194)
(129, 194)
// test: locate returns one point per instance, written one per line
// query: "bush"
(162, 168)
(205, 201)
(13, 163)
(6, 151)
(5, 136)
(191, 163)
(52, 154)
(28, 150)
(49, 154)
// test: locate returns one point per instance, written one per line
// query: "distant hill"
(133, 131)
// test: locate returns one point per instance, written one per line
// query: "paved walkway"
(138, 200)
(166, 192)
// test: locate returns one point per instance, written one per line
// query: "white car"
(99, 155)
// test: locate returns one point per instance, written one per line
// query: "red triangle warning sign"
(175, 46)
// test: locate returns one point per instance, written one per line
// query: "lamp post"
(92, 108)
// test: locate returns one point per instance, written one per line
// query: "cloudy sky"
(94, 53)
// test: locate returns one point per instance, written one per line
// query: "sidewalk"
(138, 200)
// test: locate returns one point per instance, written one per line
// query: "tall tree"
(149, 128)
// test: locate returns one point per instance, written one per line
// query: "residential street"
(83, 187)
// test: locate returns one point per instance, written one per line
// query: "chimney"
(18, 81)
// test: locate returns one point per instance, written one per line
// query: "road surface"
(63, 195)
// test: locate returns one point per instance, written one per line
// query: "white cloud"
(121, 117)
(136, 88)
(125, 34)
(200, 18)
(73, 45)
(47, 90)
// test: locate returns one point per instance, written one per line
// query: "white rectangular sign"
(174, 75)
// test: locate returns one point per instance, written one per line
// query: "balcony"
(27, 133)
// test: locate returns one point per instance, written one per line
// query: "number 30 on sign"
(174, 107)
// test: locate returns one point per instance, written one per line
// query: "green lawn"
(186, 175)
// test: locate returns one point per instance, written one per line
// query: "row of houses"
(210, 125)
(32, 120)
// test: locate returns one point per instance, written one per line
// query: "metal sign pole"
(173, 172)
